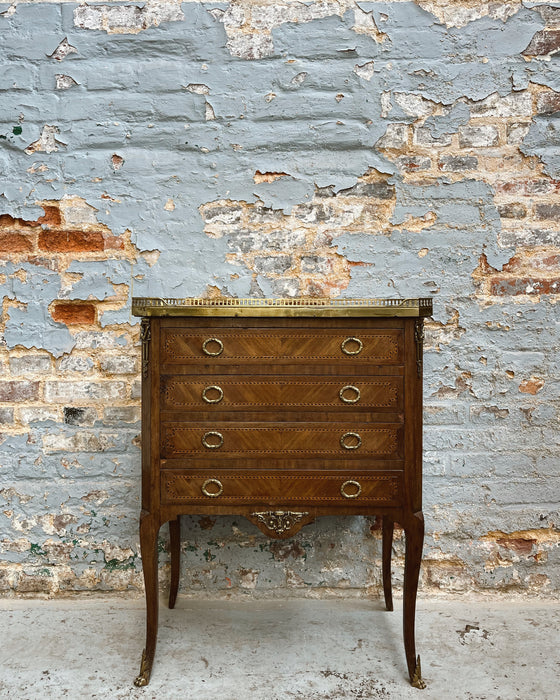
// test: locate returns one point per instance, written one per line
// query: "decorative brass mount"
(419, 338)
(416, 680)
(279, 521)
(143, 678)
(145, 337)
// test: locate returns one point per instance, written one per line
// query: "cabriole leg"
(414, 532)
(388, 526)
(149, 528)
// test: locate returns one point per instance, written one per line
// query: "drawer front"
(215, 488)
(214, 345)
(220, 393)
(282, 440)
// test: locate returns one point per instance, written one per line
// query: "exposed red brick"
(51, 216)
(513, 210)
(114, 243)
(14, 243)
(514, 264)
(19, 391)
(508, 286)
(548, 211)
(531, 386)
(548, 102)
(71, 241)
(117, 161)
(543, 43)
(484, 267)
(49, 263)
(72, 314)
(547, 262)
(517, 544)
(528, 188)
(7, 221)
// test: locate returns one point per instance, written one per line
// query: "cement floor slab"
(279, 650)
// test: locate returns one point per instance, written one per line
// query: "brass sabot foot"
(143, 677)
(416, 680)
(142, 680)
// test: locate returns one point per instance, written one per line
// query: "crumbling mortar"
(339, 238)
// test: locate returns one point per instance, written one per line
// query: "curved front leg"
(414, 532)
(149, 528)
(388, 526)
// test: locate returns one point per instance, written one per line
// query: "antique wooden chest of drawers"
(282, 410)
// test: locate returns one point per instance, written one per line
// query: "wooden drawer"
(266, 488)
(212, 346)
(220, 439)
(230, 393)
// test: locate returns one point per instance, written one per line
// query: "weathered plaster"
(417, 57)
(379, 149)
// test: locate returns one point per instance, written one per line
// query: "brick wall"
(279, 149)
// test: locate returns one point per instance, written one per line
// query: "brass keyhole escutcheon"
(213, 341)
(351, 489)
(353, 398)
(209, 390)
(214, 483)
(212, 440)
(350, 441)
(351, 346)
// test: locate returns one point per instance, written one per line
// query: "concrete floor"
(279, 650)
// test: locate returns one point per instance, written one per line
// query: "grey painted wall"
(246, 149)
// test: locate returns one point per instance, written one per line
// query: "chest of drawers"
(282, 411)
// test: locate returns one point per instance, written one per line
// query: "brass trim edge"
(299, 306)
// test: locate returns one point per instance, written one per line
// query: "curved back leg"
(388, 526)
(175, 551)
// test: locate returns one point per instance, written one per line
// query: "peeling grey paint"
(464, 207)
(210, 160)
(33, 326)
(543, 141)
(170, 112)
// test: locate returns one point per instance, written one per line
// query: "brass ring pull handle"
(213, 494)
(355, 484)
(209, 352)
(210, 389)
(351, 340)
(212, 445)
(352, 399)
(356, 441)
